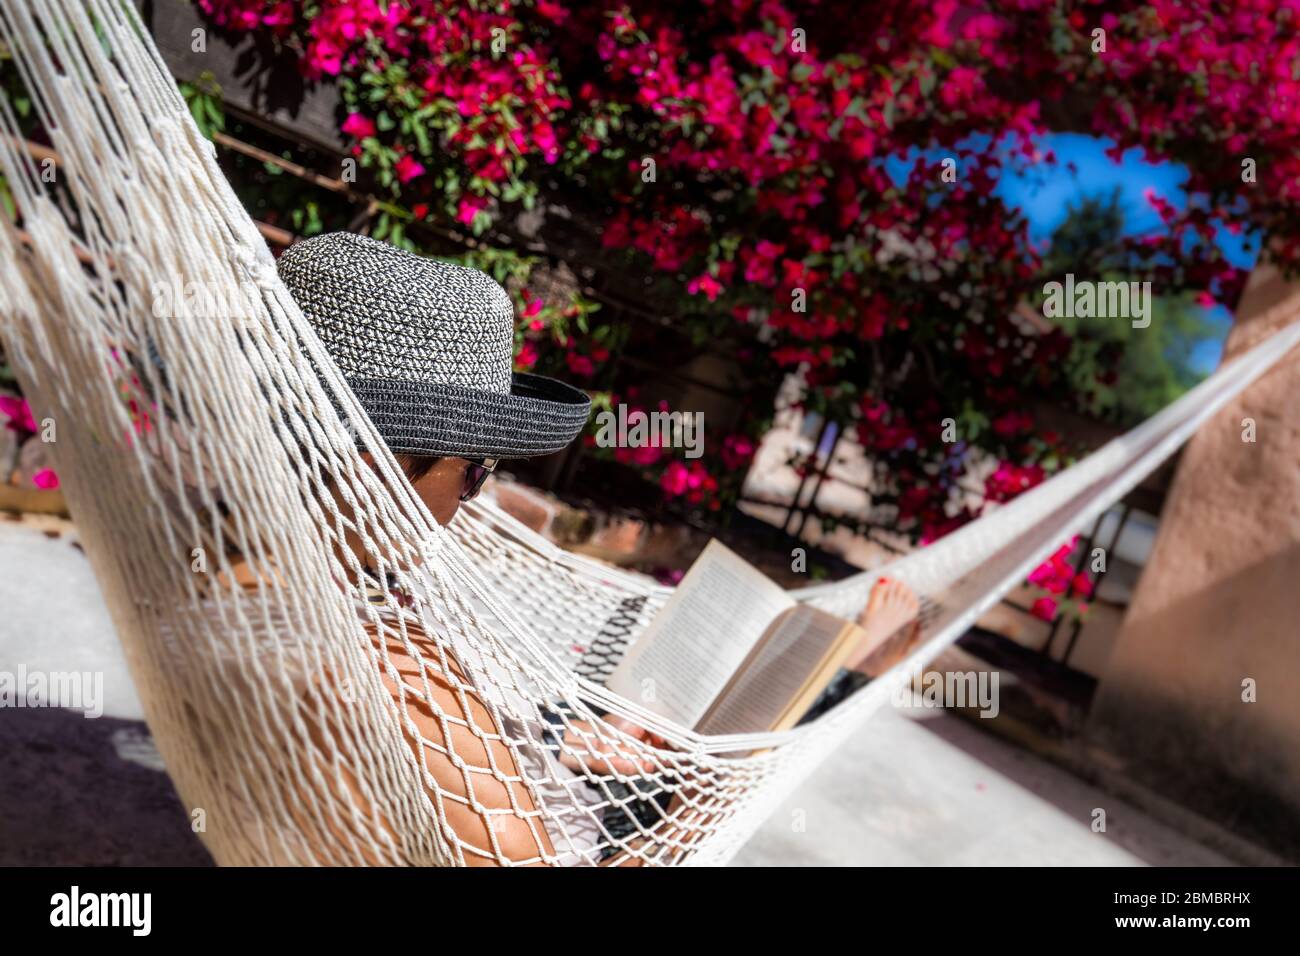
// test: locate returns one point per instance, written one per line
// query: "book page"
(696, 642)
(783, 677)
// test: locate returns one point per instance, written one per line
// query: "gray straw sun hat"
(427, 347)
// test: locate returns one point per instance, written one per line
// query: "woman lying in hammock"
(427, 348)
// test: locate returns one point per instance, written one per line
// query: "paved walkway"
(934, 790)
(924, 790)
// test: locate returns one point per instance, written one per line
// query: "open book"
(731, 652)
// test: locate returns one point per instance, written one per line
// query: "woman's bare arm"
(475, 779)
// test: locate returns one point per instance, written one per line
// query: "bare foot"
(890, 608)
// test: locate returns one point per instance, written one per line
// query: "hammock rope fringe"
(222, 500)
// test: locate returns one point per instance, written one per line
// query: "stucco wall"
(1219, 602)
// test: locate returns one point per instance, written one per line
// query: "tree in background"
(1119, 373)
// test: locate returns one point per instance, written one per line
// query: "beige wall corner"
(1219, 603)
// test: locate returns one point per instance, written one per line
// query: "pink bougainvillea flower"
(643, 456)
(279, 17)
(1012, 424)
(1044, 609)
(324, 59)
(675, 480)
(760, 266)
(669, 577)
(18, 413)
(580, 364)
(737, 450)
(1010, 479)
(408, 168)
(469, 208)
(527, 357)
(358, 125)
(693, 483)
(705, 284)
(1163, 207)
(646, 455)
(45, 478)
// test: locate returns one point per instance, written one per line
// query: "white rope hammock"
(307, 725)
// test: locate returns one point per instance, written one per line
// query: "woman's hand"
(587, 753)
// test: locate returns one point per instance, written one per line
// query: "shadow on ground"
(77, 792)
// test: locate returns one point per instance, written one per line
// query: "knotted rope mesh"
(306, 716)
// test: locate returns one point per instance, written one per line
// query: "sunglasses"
(475, 475)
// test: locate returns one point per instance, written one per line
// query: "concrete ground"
(74, 790)
(912, 788)
(926, 788)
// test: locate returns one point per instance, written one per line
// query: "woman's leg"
(890, 627)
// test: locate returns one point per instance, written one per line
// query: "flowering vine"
(819, 179)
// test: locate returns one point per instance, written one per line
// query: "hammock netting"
(213, 465)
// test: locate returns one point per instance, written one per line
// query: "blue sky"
(1046, 193)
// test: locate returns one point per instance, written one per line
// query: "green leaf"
(422, 143)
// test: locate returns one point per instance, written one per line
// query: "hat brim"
(540, 416)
